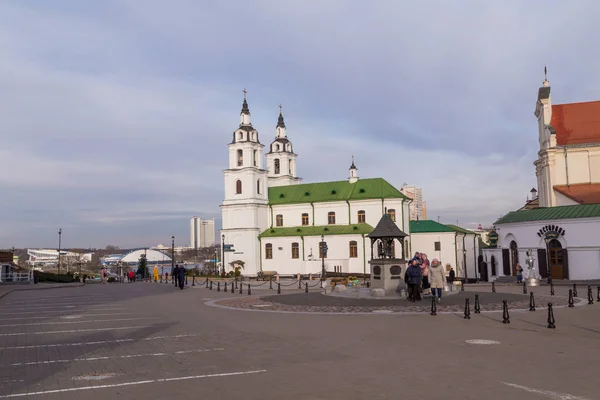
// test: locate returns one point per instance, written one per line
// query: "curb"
(2, 295)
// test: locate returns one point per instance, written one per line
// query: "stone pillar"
(387, 276)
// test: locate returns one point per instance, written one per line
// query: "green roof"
(363, 189)
(550, 213)
(458, 229)
(428, 226)
(318, 230)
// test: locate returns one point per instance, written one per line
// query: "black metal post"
(433, 306)
(574, 290)
(524, 287)
(300, 284)
(225, 290)
(571, 302)
(236, 283)
(551, 321)
(186, 280)
(477, 305)
(241, 287)
(249, 290)
(279, 288)
(270, 283)
(598, 294)
(505, 316)
(218, 286)
(590, 295)
(306, 288)
(493, 287)
(59, 243)
(531, 302)
(223, 256)
(467, 309)
(194, 279)
(462, 286)
(172, 257)
(232, 288)
(322, 258)
(551, 289)
(210, 285)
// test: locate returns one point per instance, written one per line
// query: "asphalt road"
(141, 341)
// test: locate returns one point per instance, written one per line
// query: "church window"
(353, 249)
(277, 166)
(240, 136)
(331, 217)
(295, 250)
(238, 187)
(258, 186)
(392, 214)
(268, 251)
(361, 217)
(240, 158)
(290, 166)
(276, 147)
(437, 246)
(254, 158)
(305, 219)
(279, 220)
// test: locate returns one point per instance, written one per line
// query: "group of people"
(422, 275)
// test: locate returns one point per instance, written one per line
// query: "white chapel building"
(561, 227)
(275, 222)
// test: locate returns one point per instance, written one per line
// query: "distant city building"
(418, 208)
(202, 232)
(42, 258)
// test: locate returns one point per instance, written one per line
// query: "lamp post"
(465, 264)
(59, 243)
(223, 256)
(322, 257)
(172, 255)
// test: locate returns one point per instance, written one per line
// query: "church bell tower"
(281, 159)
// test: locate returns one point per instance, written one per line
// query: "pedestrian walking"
(181, 276)
(437, 279)
(425, 270)
(414, 281)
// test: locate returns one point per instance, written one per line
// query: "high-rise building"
(202, 232)
(418, 207)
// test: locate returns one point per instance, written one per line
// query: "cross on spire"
(545, 73)
(245, 93)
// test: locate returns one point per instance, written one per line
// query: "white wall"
(425, 243)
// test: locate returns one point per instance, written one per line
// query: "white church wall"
(425, 243)
(340, 208)
(291, 213)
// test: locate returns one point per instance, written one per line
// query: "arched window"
(279, 220)
(331, 218)
(361, 217)
(258, 186)
(392, 214)
(295, 250)
(276, 147)
(238, 187)
(254, 158)
(240, 158)
(290, 167)
(276, 166)
(305, 219)
(268, 251)
(353, 249)
(240, 136)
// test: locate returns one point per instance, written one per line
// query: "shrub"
(111, 279)
(55, 278)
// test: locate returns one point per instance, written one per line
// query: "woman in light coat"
(437, 278)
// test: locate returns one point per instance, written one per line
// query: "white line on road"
(56, 311)
(97, 342)
(76, 315)
(63, 299)
(115, 385)
(74, 322)
(74, 331)
(549, 394)
(57, 306)
(110, 358)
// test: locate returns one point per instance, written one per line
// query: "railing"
(20, 277)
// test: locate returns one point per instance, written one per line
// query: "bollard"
(210, 285)
(249, 289)
(524, 288)
(551, 320)
(232, 288)
(306, 288)
(571, 301)
(462, 286)
(225, 290)
(160, 279)
(433, 306)
(477, 305)
(299, 283)
(369, 284)
(493, 287)
(531, 302)
(467, 309)
(551, 289)
(590, 295)
(270, 283)
(218, 286)
(194, 280)
(598, 295)
(279, 288)
(574, 290)
(236, 284)
(505, 316)
(241, 286)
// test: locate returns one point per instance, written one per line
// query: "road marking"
(66, 316)
(115, 385)
(73, 331)
(109, 358)
(97, 342)
(549, 394)
(482, 341)
(93, 377)
(75, 322)
(57, 306)
(63, 299)
(54, 311)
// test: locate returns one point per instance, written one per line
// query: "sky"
(115, 115)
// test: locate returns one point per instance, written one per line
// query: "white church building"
(275, 222)
(561, 226)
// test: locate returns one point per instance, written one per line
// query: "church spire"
(353, 172)
(353, 166)
(546, 82)
(245, 114)
(280, 123)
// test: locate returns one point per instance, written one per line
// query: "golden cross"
(245, 93)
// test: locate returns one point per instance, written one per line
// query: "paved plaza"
(140, 341)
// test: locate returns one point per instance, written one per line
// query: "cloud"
(116, 115)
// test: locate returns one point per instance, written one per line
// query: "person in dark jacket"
(413, 275)
(181, 277)
(175, 275)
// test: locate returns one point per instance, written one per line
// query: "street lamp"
(465, 265)
(223, 257)
(323, 250)
(172, 256)
(59, 243)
